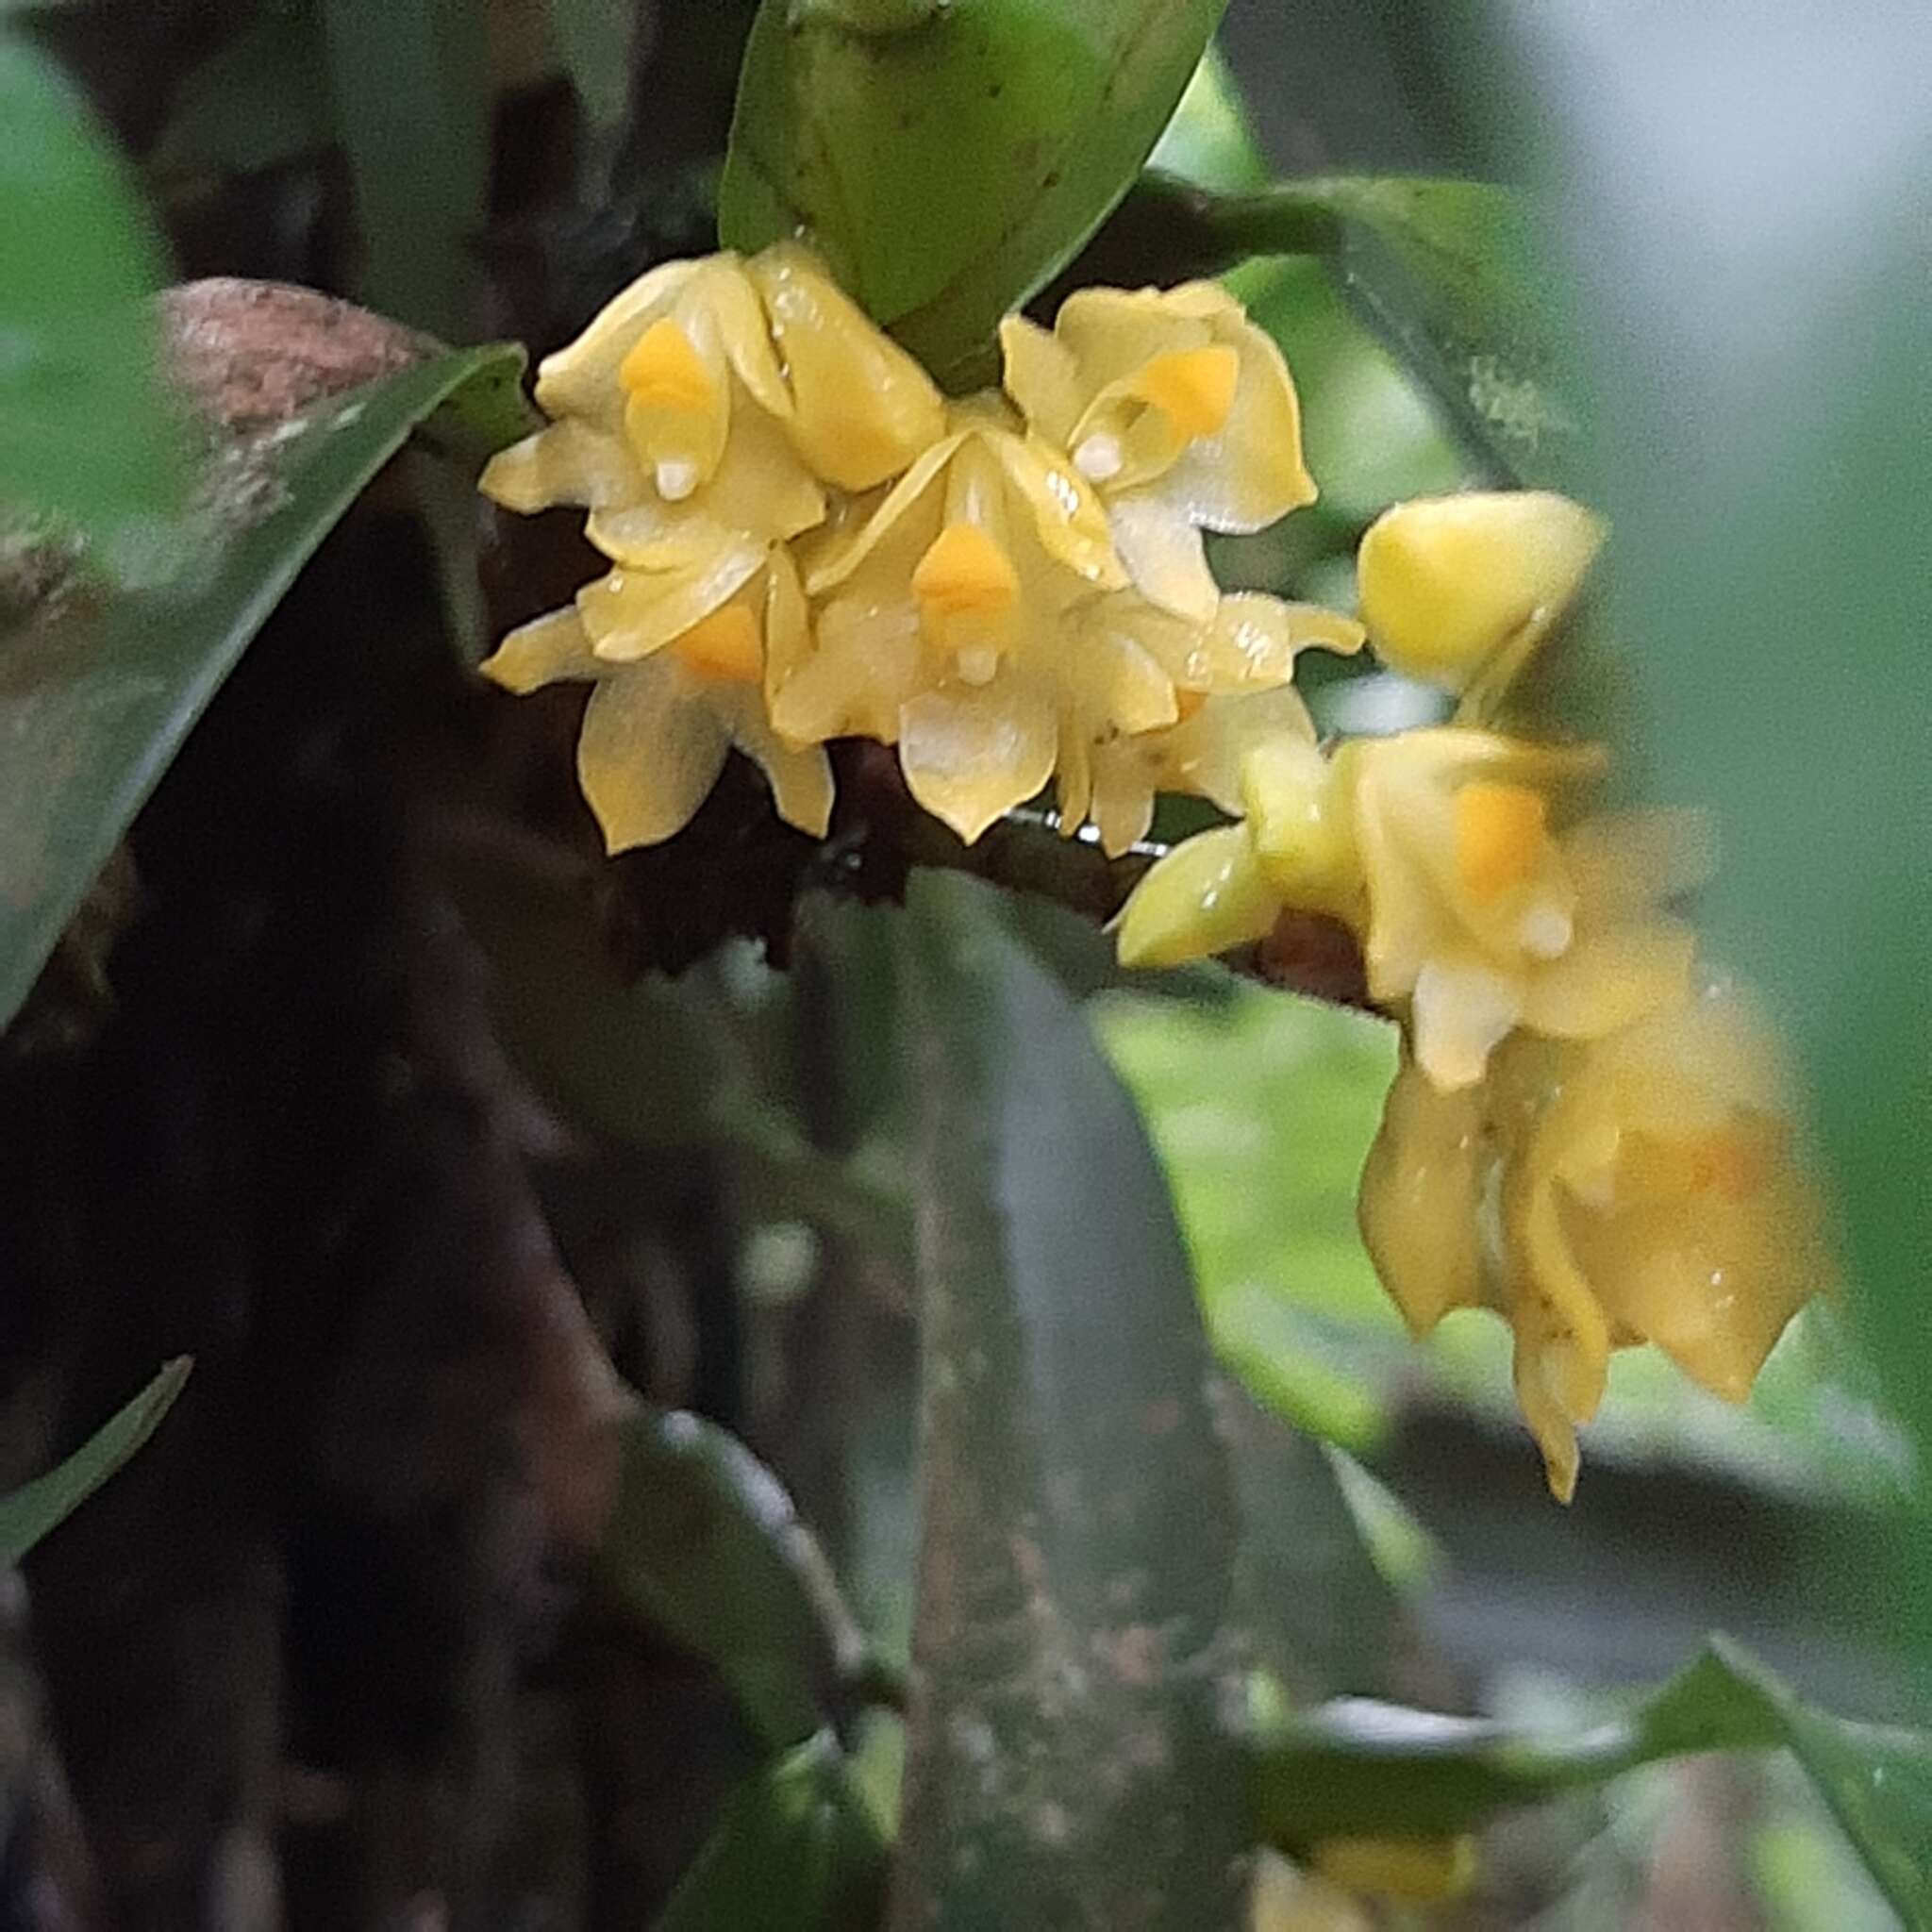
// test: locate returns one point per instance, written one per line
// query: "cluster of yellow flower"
(1589, 1132)
(807, 542)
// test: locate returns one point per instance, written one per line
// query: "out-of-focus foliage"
(87, 435)
(1362, 1769)
(98, 689)
(29, 1512)
(1072, 1651)
(1120, 1562)
(1771, 551)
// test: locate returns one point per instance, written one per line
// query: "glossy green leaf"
(98, 689)
(87, 432)
(948, 156)
(795, 1851)
(703, 1542)
(33, 1510)
(1069, 1760)
(1359, 1769)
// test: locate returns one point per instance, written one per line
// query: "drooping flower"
(668, 704)
(1477, 915)
(1459, 591)
(1178, 411)
(1484, 916)
(1646, 1185)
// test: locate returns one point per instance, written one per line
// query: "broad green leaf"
(1357, 1769)
(410, 80)
(98, 689)
(35, 1507)
(1069, 1760)
(1451, 275)
(795, 1851)
(87, 432)
(948, 156)
(703, 1542)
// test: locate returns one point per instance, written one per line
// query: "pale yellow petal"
(1421, 1198)
(1299, 817)
(788, 623)
(1607, 980)
(568, 462)
(723, 294)
(581, 378)
(1254, 640)
(971, 754)
(864, 408)
(1450, 583)
(1122, 801)
(800, 775)
(867, 661)
(1113, 332)
(1205, 754)
(1207, 895)
(1072, 774)
(1462, 1008)
(1164, 556)
(648, 757)
(1250, 473)
(547, 650)
(856, 545)
(1043, 378)
(632, 613)
(1069, 518)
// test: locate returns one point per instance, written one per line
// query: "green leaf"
(1361, 1770)
(97, 691)
(33, 1510)
(795, 1851)
(948, 156)
(1069, 1760)
(411, 86)
(87, 433)
(1451, 275)
(703, 1542)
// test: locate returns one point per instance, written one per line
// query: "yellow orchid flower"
(1477, 911)
(1646, 1185)
(946, 622)
(1436, 846)
(662, 718)
(672, 421)
(1231, 680)
(1459, 591)
(1180, 411)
